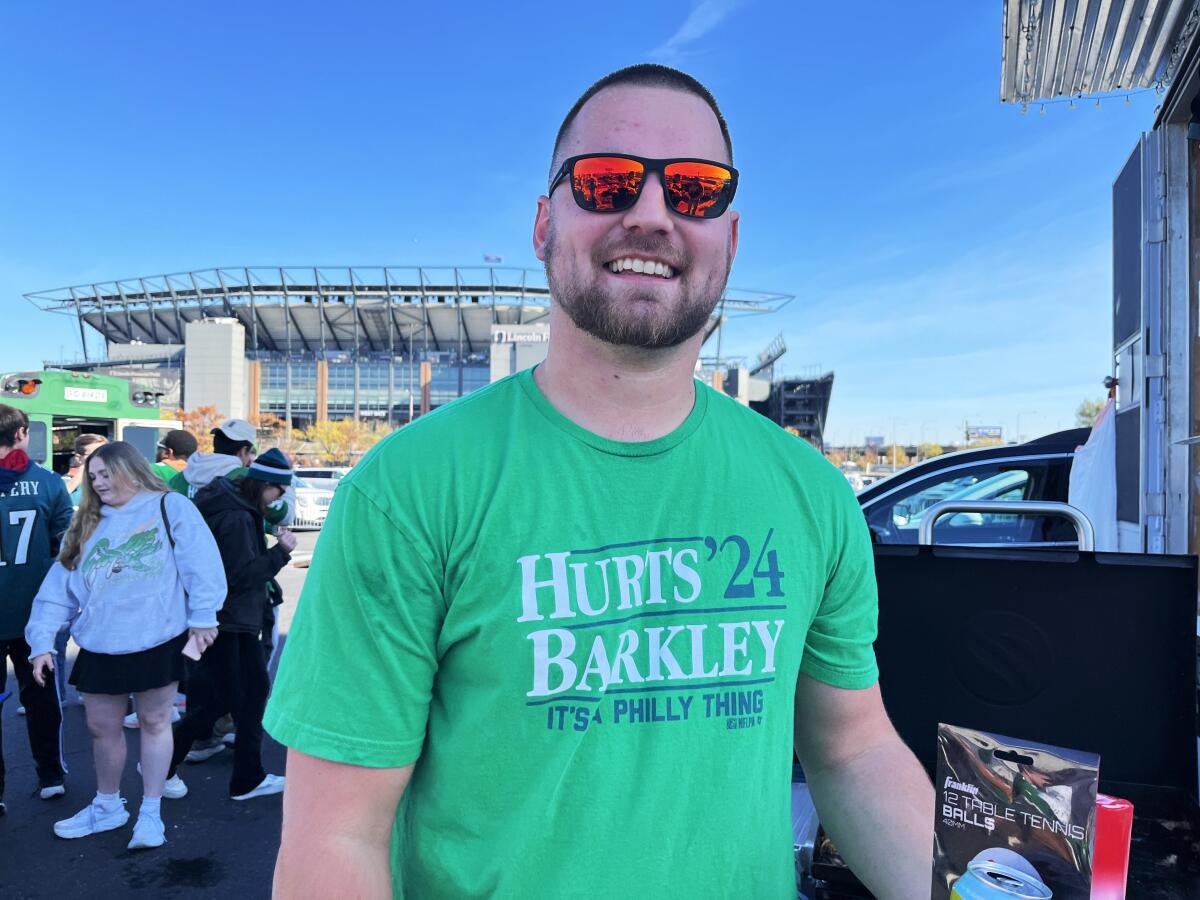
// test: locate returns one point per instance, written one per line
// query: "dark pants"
(231, 677)
(43, 714)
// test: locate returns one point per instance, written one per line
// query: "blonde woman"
(138, 572)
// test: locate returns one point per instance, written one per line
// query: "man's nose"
(650, 213)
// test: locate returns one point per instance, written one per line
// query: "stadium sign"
(511, 336)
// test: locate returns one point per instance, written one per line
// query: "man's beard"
(633, 317)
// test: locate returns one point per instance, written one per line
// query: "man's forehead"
(646, 121)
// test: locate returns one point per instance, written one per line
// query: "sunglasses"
(612, 182)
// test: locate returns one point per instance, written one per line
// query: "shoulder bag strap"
(162, 504)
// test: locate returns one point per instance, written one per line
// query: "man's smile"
(640, 265)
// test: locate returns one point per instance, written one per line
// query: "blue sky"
(950, 257)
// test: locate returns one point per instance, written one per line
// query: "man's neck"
(620, 393)
(4, 451)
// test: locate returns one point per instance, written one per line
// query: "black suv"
(1037, 470)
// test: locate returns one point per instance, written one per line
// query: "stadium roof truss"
(331, 310)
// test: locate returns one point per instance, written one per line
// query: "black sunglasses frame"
(649, 165)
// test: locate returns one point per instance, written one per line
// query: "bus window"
(144, 438)
(39, 442)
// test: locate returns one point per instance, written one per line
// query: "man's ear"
(541, 227)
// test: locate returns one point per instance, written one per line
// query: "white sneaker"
(229, 739)
(272, 784)
(92, 819)
(204, 750)
(174, 789)
(148, 832)
(20, 710)
(50, 791)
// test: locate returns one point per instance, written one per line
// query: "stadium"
(382, 343)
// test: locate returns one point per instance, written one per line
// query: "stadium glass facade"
(448, 380)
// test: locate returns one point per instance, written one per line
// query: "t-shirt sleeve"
(356, 673)
(839, 649)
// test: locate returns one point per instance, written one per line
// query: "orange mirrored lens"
(698, 189)
(605, 183)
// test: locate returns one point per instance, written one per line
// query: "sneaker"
(148, 832)
(173, 789)
(92, 819)
(20, 710)
(202, 750)
(50, 789)
(3, 808)
(272, 784)
(229, 739)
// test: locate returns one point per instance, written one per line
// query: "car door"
(895, 517)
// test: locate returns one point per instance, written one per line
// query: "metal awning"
(1075, 48)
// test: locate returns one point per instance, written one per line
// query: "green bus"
(62, 405)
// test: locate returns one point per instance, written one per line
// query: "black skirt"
(129, 673)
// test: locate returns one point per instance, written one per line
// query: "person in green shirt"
(574, 655)
(174, 451)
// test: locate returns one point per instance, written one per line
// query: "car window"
(896, 519)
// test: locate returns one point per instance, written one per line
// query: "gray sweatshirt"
(131, 590)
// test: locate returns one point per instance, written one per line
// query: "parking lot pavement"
(216, 847)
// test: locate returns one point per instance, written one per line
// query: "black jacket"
(249, 565)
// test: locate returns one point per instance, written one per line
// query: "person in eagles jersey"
(576, 652)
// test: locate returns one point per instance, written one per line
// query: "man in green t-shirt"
(572, 656)
(173, 453)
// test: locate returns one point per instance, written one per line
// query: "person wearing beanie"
(174, 451)
(233, 452)
(232, 676)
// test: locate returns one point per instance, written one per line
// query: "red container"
(1110, 860)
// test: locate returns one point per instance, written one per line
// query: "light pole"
(893, 444)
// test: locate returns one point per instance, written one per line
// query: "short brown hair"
(643, 75)
(12, 420)
(88, 440)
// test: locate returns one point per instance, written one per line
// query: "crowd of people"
(164, 576)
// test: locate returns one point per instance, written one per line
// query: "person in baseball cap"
(233, 449)
(174, 450)
(237, 431)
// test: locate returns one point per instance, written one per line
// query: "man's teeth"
(644, 266)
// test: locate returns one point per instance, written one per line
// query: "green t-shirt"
(166, 472)
(589, 648)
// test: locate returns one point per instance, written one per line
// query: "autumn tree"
(341, 442)
(200, 422)
(928, 451)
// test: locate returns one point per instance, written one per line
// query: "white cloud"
(703, 18)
